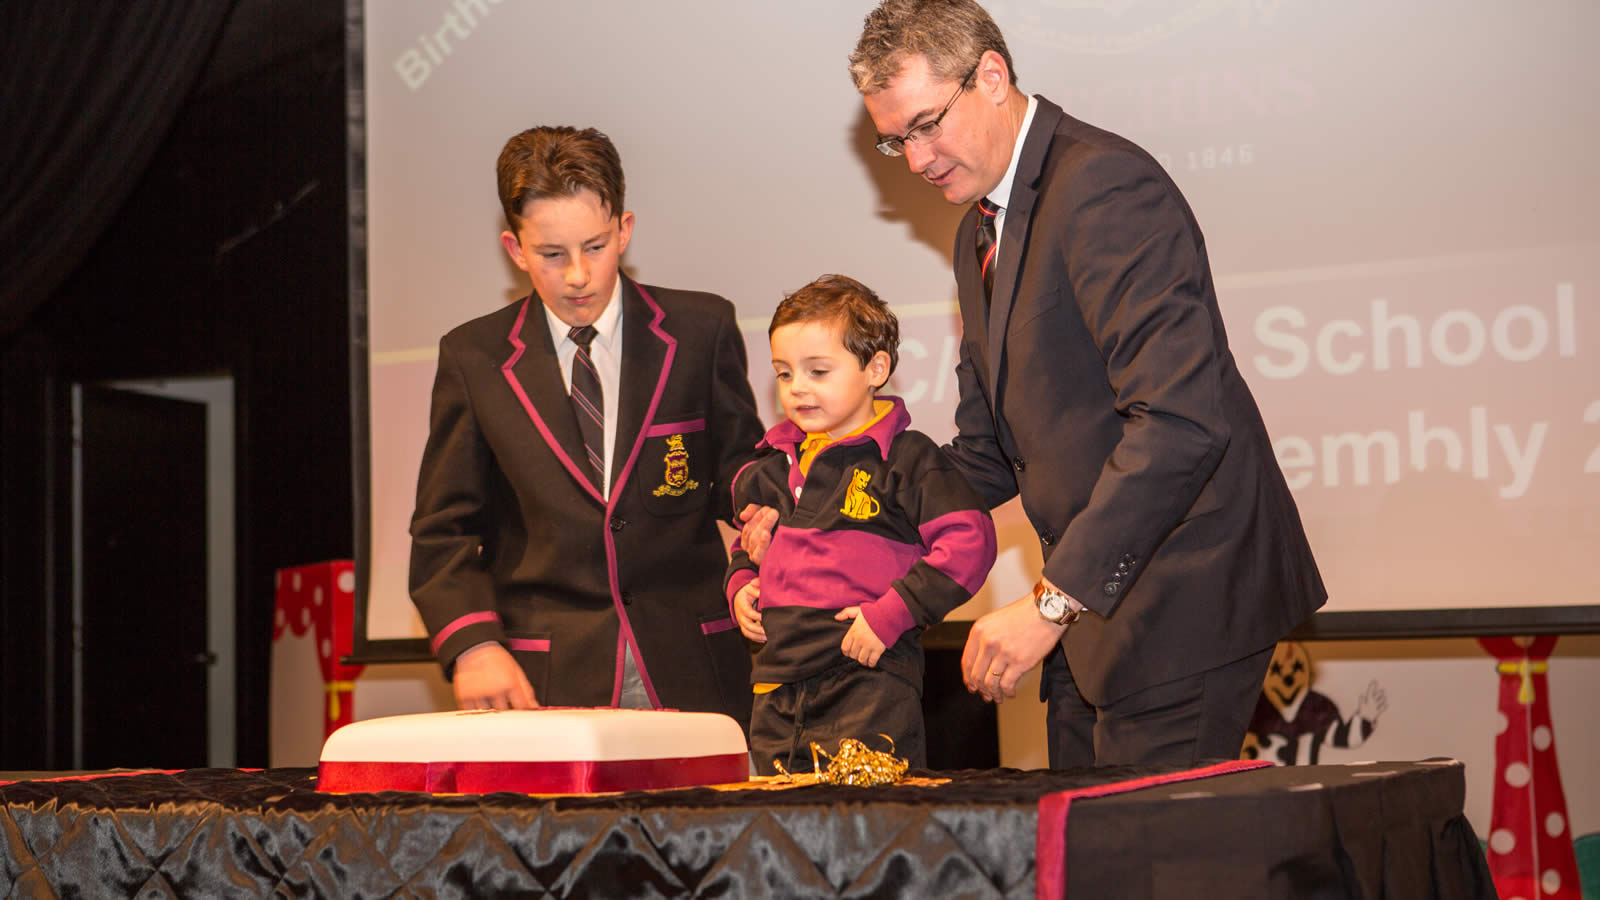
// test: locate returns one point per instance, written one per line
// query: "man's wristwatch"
(1054, 606)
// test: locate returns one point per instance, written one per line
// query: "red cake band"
(523, 777)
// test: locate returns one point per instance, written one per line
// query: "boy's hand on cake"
(486, 677)
(744, 610)
(756, 534)
(860, 642)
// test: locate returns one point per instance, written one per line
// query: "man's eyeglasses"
(927, 131)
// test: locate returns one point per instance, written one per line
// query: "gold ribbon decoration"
(855, 764)
(1526, 668)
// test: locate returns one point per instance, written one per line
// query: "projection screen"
(1400, 203)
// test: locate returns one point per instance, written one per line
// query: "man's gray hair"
(951, 34)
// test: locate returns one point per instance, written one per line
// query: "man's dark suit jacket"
(512, 543)
(1099, 385)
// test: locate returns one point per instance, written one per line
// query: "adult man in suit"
(1096, 381)
(564, 546)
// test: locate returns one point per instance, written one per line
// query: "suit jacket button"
(1019, 464)
(1111, 588)
(618, 523)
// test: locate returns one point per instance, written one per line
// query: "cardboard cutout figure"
(1292, 722)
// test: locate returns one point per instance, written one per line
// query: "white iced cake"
(538, 751)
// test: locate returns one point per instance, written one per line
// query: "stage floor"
(1376, 830)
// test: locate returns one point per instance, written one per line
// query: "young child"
(878, 537)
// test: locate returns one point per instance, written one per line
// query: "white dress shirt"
(1001, 195)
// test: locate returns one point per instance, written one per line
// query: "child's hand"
(860, 643)
(744, 610)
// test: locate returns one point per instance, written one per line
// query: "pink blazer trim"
(675, 428)
(463, 622)
(626, 638)
(579, 475)
(716, 627)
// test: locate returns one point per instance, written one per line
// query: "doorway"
(141, 654)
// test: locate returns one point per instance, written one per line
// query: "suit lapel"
(1018, 228)
(534, 376)
(646, 358)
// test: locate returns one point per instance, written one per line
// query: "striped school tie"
(588, 403)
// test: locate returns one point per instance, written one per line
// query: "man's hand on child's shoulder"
(744, 610)
(860, 642)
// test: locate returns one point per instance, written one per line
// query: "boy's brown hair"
(558, 161)
(869, 324)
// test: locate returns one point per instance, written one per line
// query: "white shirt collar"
(606, 327)
(1001, 195)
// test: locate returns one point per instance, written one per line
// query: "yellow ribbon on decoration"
(1527, 669)
(333, 688)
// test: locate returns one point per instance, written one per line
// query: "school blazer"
(1099, 385)
(512, 543)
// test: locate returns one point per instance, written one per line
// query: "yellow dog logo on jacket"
(857, 504)
(677, 481)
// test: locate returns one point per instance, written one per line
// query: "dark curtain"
(91, 89)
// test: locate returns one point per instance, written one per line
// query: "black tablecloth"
(1383, 830)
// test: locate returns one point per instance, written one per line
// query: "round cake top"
(536, 735)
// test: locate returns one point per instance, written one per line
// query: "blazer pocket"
(730, 661)
(1033, 307)
(531, 650)
(676, 467)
